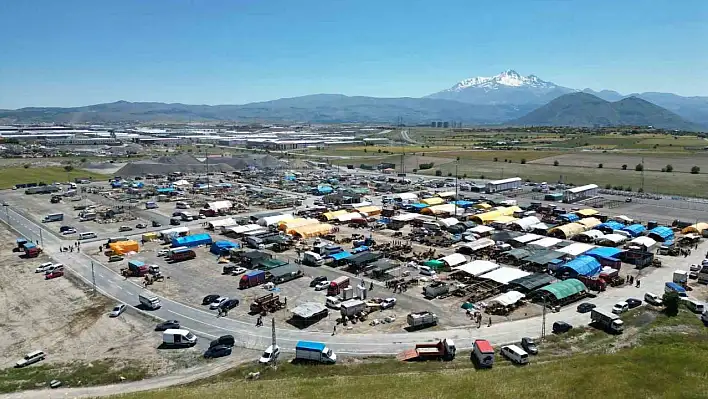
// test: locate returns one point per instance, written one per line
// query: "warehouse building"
(580, 193)
(496, 186)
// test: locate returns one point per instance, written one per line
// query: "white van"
(694, 305)
(515, 354)
(32, 357)
(332, 302)
(426, 270)
(87, 235)
(181, 205)
(653, 299)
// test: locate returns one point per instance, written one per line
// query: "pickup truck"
(441, 350)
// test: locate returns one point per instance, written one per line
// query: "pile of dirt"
(141, 168)
(258, 161)
(179, 159)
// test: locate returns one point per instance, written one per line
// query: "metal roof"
(533, 281)
(564, 289)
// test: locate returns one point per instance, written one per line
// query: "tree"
(379, 151)
(556, 163)
(624, 167)
(496, 159)
(438, 172)
(449, 174)
(365, 149)
(639, 167)
(671, 302)
(458, 158)
(464, 176)
(523, 161)
(669, 168)
(640, 190)
(68, 168)
(695, 170)
(599, 166)
(608, 186)
(26, 166)
(83, 160)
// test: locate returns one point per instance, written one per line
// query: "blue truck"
(252, 278)
(314, 352)
(671, 286)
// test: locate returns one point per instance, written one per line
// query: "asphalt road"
(206, 325)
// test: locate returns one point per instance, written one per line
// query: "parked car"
(163, 252)
(317, 280)
(217, 302)
(620, 307)
(115, 258)
(217, 351)
(695, 268)
(529, 345)
(322, 285)
(141, 226)
(238, 270)
(229, 304)
(43, 267)
(156, 224)
(388, 303)
(118, 310)
(560, 327)
(586, 307)
(54, 274)
(653, 299)
(125, 228)
(210, 298)
(30, 358)
(68, 232)
(633, 302)
(225, 340)
(168, 325)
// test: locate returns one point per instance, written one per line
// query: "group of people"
(631, 280)
(76, 245)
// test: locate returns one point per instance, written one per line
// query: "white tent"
(576, 249)
(406, 217)
(447, 222)
(181, 183)
(525, 224)
(349, 216)
(545, 242)
(271, 220)
(477, 267)
(478, 244)
(481, 229)
(623, 219)
(527, 238)
(592, 235)
(214, 224)
(241, 229)
(504, 275)
(508, 299)
(643, 241)
(611, 240)
(454, 259)
(218, 205)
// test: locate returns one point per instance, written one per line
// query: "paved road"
(206, 325)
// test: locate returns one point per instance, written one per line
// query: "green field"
(656, 357)
(14, 175)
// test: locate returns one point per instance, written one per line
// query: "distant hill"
(322, 108)
(583, 109)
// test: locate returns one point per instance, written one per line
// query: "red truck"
(31, 250)
(252, 279)
(182, 254)
(593, 283)
(444, 349)
(337, 285)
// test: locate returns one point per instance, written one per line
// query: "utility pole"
(275, 359)
(40, 237)
(642, 185)
(543, 320)
(456, 186)
(93, 278)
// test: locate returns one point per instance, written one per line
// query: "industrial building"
(496, 186)
(580, 193)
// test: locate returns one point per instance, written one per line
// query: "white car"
(388, 303)
(215, 305)
(163, 252)
(695, 268)
(238, 270)
(620, 307)
(54, 267)
(68, 232)
(270, 355)
(43, 267)
(322, 286)
(118, 310)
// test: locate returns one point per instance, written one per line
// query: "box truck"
(483, 353)
(314, 352)
(609, 321)
(422, 319)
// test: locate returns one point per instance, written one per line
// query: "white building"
(579, 193)
(496, 186)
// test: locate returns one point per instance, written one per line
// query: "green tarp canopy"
(564, 289)
(434, 264)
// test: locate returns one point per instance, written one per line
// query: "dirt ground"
(680, 162)
(64, 319)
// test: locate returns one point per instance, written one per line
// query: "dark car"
(65, 228)
(317, 280)
(141, 226)
(175, 222)
(166, 325)
(586, 307)
(633, 302)
(177, 214)
(224, 340)
(156, 224)
(560, 327)
(209, 299)
(529, 345)
(217, 351)
(230, 304)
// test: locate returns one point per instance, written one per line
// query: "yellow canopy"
(312, 230)
(433, 201)
(567, 231)
(504, 219)
(332, 215)
(292, 223)
(369, 210)
(440, 209)
(150, 237)
(123, 247)
(695, 228)
(587, 212)
(487, 217)
(482, 205)
(589, 223)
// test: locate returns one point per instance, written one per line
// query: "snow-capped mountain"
(508, 87)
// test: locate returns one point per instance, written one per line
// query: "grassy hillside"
(656, 357)
(14, 175)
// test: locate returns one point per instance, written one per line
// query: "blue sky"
(76, 52)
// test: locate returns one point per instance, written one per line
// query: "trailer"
(422, 319)
(352, 307)
(266, 303)
(441, 350)
(436, 289)
(135, 268)
(252, 278)
(609, 321)
(337, 285)
(182, 254)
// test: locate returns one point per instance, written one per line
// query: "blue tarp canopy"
(192, 241)
(165, 190)
(360, 249)
(324, 189)
(290, 177)
(662, 234)
(582, 265)
(463, 204)
(116, 184)
(418, 206)
(635, 230)
(138, 184)
(340, 255)
(569, 217)
(604, 253)
(219, 247)
(609, 226)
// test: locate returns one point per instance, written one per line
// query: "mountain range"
(507, 98)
